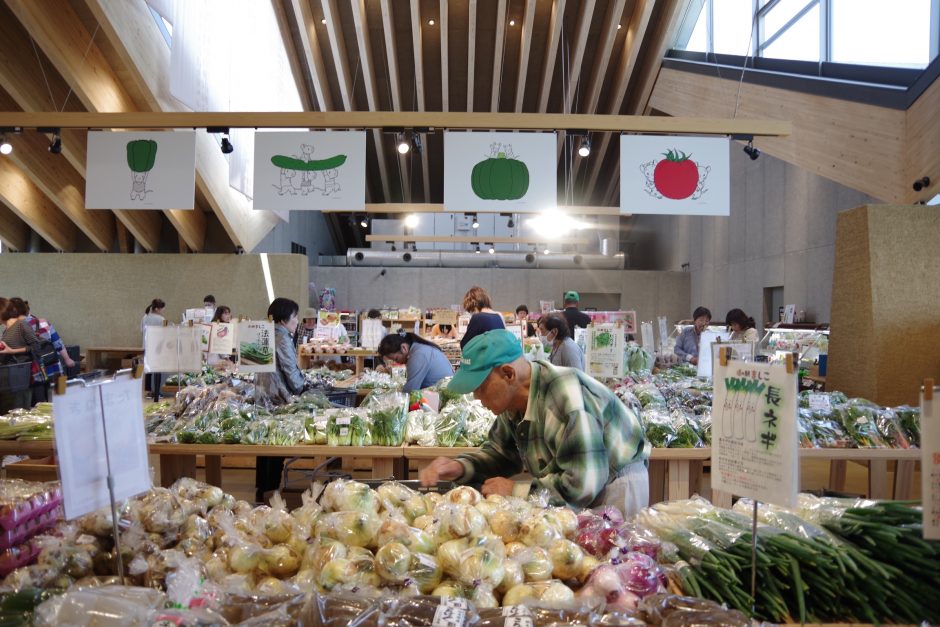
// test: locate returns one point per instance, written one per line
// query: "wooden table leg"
(214, 470)
(401, 468)
(360, 364)
(878, 479)
(721, 499)
(904, 480)
(837, 470)
(679, 479)
(383, 467)
(657, 474)
(696, 470)
(173, 467)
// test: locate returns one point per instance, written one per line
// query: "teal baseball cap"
(481, 355)
(569, 296)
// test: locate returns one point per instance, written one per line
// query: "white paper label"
(820, 402)
(516, 610)
(863, 420)
(452, 612)
(754, 435)
(343, 420)
(344, 432)
(930, 466)
(518, 621)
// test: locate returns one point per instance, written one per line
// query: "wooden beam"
(310, 45)
(440, 208)
(445, 56)
(391, 56)
(499, 44)
(292, 50)
(130, 29)
(144, 225)
(471, 51)
(419, 89)
(123, 239)
(636, 32)
(14, 233)
(660, 41)
(525, 47)
(574, 66)
(408, 119)
(32, 206)
(63, 185)
(922, 148)
(551, 52)
(475, 239)
(338, 48)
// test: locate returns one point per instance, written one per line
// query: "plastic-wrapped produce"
(343, 495)
(22, 500)
(348, 427)
(340, 610)
(116, 606)
(387, 414)
(427, 610)
(351, 528)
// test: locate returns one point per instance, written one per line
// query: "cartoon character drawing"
(330, 185)
(141, 157)
(286, 186)
(315, 174)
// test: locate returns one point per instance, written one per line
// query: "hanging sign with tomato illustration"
(670, 174)
(499, 172)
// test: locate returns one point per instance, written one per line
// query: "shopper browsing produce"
(222, 314)
(741, 326)
(153, 317)
(569, 431)
(574, 316)
(522, 317)
(446, 331)
(17, 345)
(553, 332)
(425, 362)
(687, 344)
(477, 302)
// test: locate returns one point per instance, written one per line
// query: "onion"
(481, 565)
(517, 594)
(566, 559)
(392, 562)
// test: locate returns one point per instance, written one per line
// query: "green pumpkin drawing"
(141, 155)
(501, 176)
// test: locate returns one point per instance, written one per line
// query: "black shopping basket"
(16, 377)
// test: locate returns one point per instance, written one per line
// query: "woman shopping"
(690, 338)
(477, 302)
(741, 326)
(425, 362)
(553, 331)
(153, 317)
(17, 345)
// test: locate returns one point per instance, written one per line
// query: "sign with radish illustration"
(754, 432)
(310, 170)
(671, 174)
(141, 170)
(501, 172)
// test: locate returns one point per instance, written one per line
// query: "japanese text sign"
(255, 346)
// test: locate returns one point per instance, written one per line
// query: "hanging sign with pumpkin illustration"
(500, 172)
(140, 170)
(670, 174)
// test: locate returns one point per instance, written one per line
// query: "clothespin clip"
(138, 371)
(723, 354)
(789, 363)
(189, 323)
(61, 383)
(166, 323)
(928, 389)
(270, 318)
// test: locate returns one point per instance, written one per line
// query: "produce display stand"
(306, 355)
(95, 355)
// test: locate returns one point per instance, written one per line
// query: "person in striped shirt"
(566, 429)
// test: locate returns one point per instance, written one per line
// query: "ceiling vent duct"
(445, 259)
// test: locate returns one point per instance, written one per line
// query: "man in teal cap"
(570, 432)
(574, 316)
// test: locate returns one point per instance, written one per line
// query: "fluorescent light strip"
(266, 269)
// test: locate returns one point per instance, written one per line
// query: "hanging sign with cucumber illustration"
(141, 170)
(499, 172)
(754, 433)
(309, 170)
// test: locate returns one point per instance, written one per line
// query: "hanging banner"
(754, 435)
(503, 172)
(930, 459)
(669, 174)
(222, 338)
(204, 334)
(256, 346)
(605, 348)
(140, 170)
(172, 349)
(310, 171)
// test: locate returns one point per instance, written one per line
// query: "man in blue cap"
(574, 316)
(570, 432)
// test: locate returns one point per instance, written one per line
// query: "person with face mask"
(569, 431)
(687, 344)
(565, 352)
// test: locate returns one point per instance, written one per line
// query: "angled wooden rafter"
(33, 207)
(445, 68)
(307, 28)
(574, 63)
(391, 54)
(551, 53)
(416, 42)
(525, 47)
(14, 232)
(499, 45)
(471, 51)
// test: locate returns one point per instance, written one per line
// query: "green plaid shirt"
(576, 437)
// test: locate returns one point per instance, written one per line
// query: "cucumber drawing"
(313, 165)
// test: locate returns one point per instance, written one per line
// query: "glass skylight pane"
(783, 12)
(732, 25)
(800, 42)
(868, 32)
(698, 42)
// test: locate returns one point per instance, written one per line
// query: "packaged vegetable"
(387, 415)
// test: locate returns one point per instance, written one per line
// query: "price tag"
(343, 420)
(930, 463)
(820, 402)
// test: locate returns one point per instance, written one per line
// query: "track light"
(546, 251)
(403, 145)
(56, 146)
(414, 247)
(227, 146)
(393, 248)
(476, 223)
(5, 146)
(491, 250)
(477, 251)
(585, 148)
(411, 220)
(364, 223)
(921, 183)
(751, 151)
(510, 223)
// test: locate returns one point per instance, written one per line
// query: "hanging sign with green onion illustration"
(309, 171)
(141, 170)
(499, 172)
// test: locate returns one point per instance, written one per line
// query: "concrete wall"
(650, 293)
(99, 299)
(307, 228)
(781, 232)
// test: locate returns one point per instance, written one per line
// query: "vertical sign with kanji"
(930, 461)
(605, 350)
(255, 346)
(754, 435)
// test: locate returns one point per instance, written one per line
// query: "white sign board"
(675, 175)
(930, 462)
(371, 333)
(504, 172)
(754, 435)
(141, 170)
(789, 314)
(646, 337)
(256, 346)
(663, 332)
(172, 349)
(199, 314)
(605, 348)
(310, 171)
(80, 445)
(820, 402)
(203, 334)
(705, 342)
(222, 338)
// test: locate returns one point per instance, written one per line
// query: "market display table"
(95, 355)
(306, 355)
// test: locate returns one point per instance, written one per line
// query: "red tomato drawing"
(676, 176)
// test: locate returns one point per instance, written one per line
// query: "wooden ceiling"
(548, 56)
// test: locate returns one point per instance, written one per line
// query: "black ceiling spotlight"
(476, 222)
(584, 150)
(403, 144)
(364, 223)
(5, 146)
(226, 145)
(55, 147)
(510, 223)
(477, 251)
(751, 151)
(921, 183)
(414, 247)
